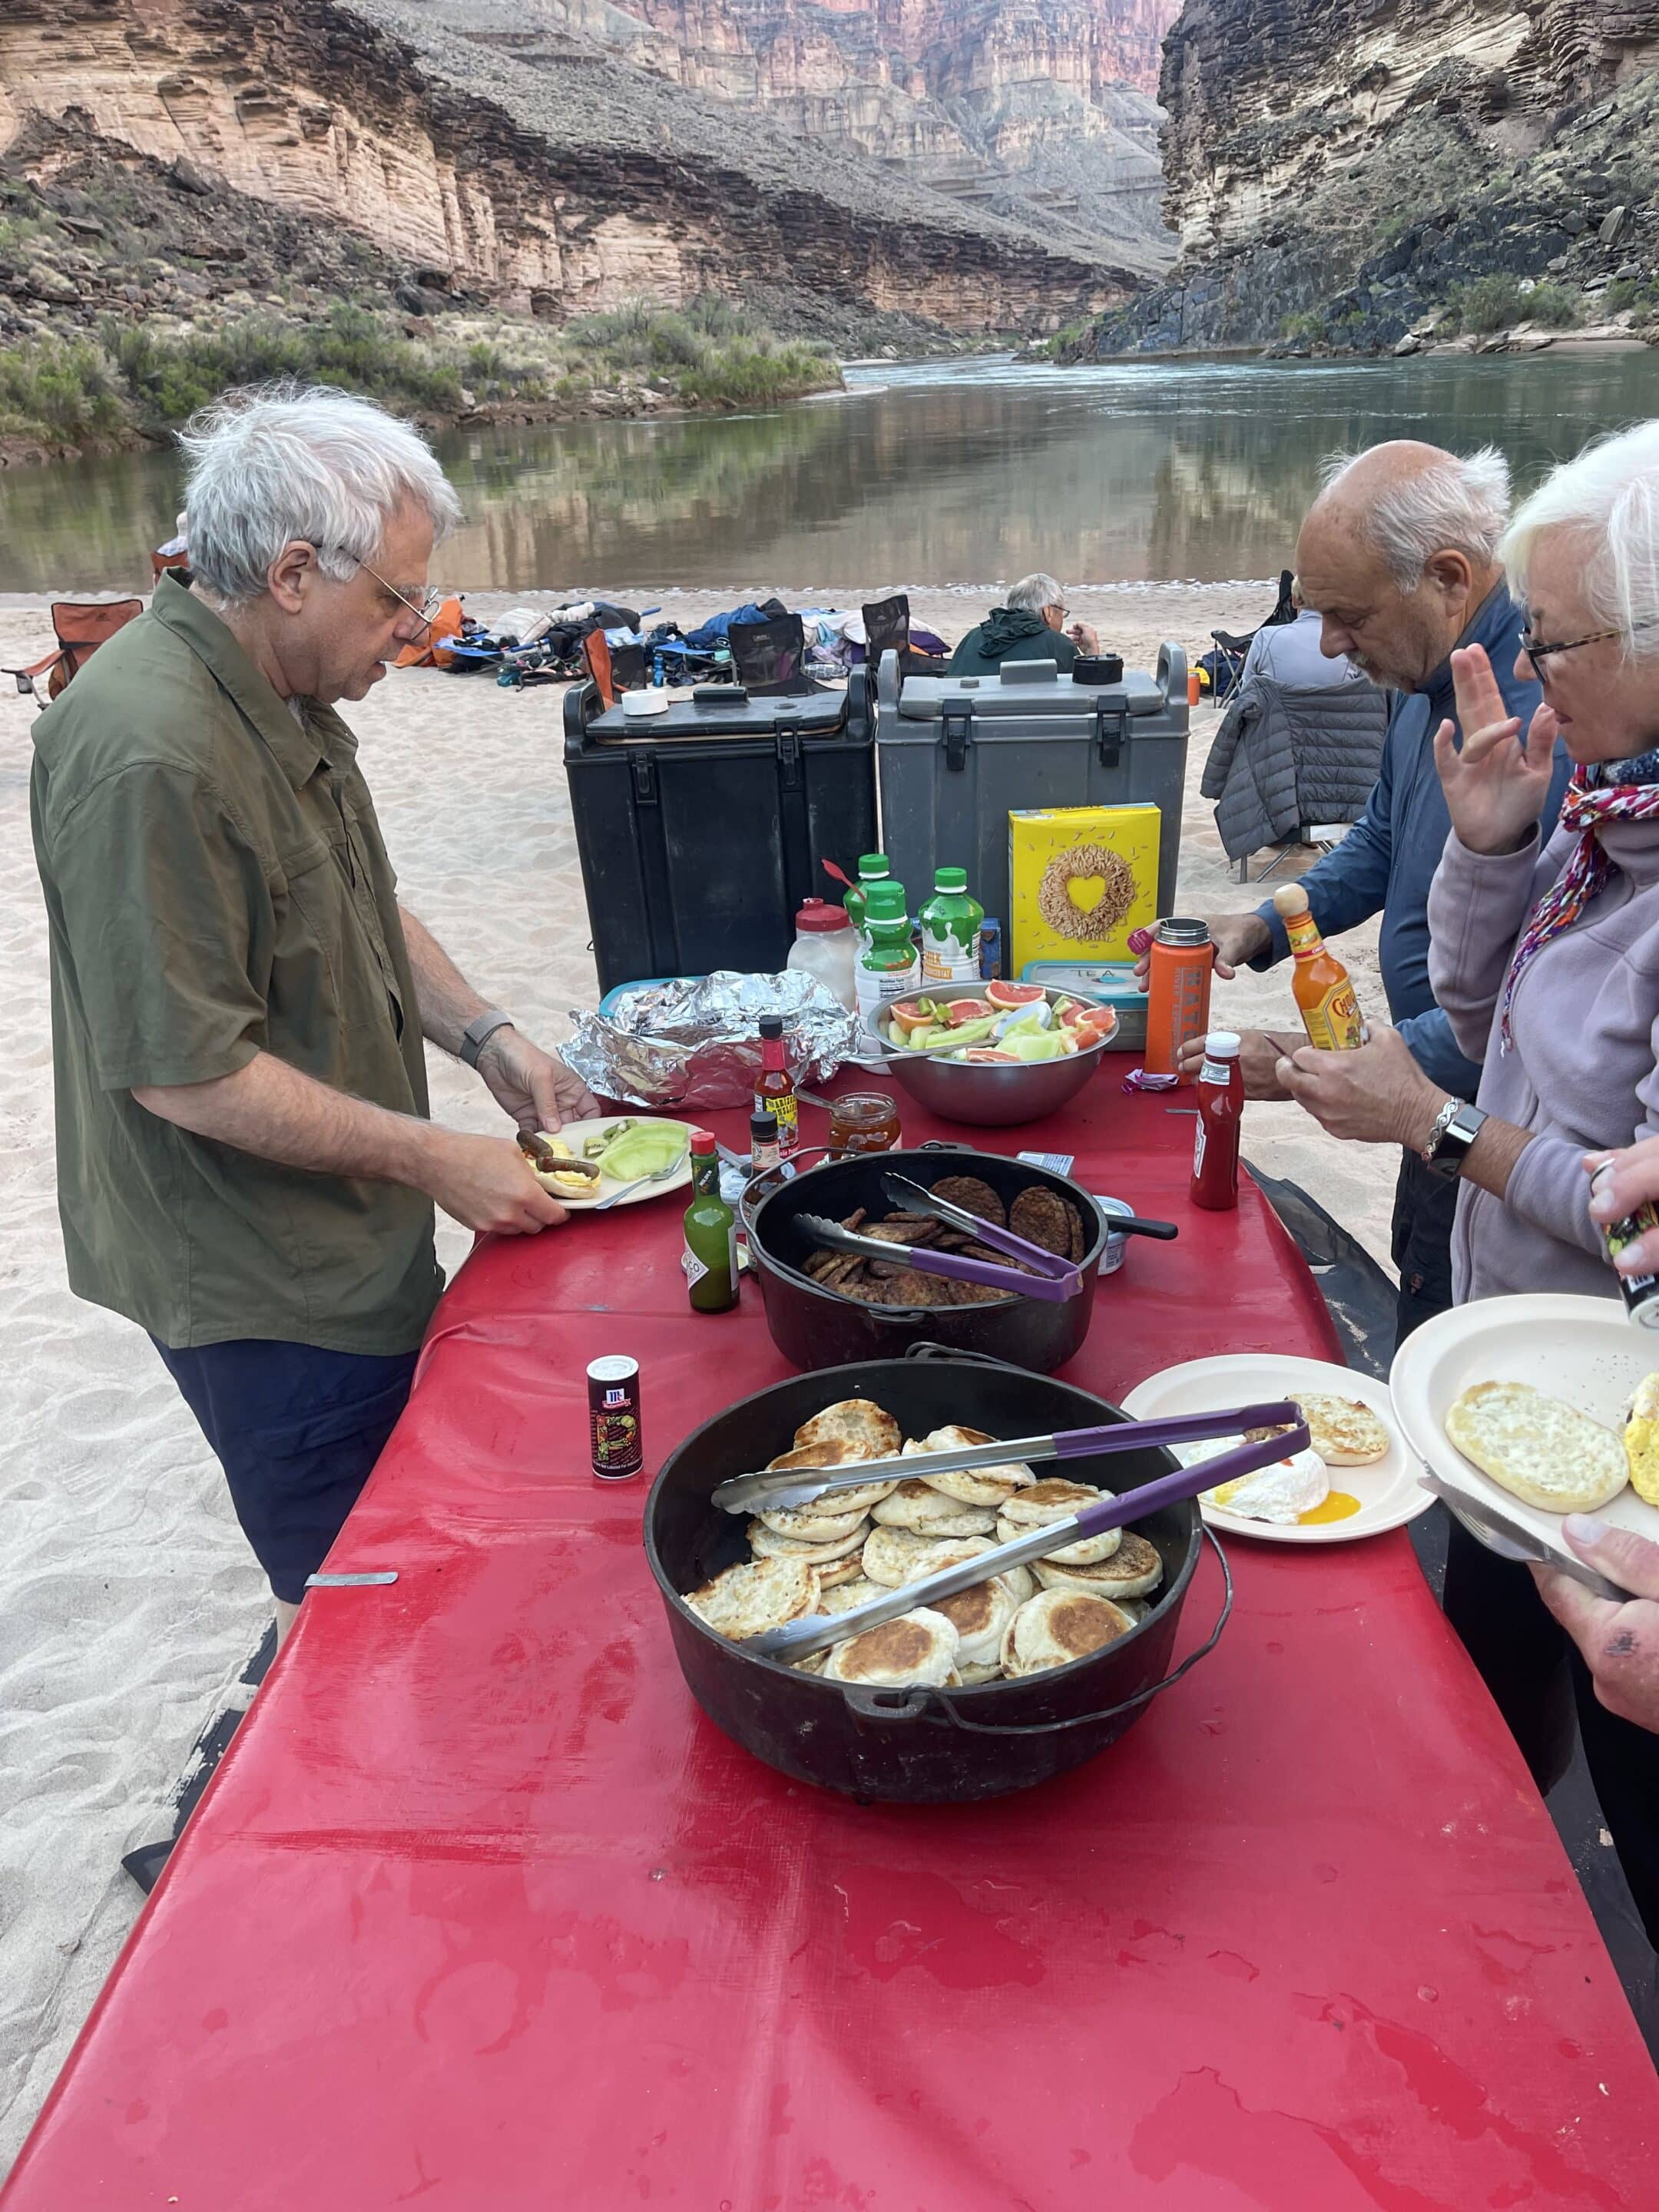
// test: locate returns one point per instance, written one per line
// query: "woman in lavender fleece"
(1546, 963)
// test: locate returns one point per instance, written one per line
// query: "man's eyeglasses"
(1538, 654)
(423, 609)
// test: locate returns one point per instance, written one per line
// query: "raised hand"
(1497, 784)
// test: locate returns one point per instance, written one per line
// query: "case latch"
(643, 764)
(1110, 723)
(787, 735)
(958, 728)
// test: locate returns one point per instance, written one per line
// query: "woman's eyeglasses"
(1538, 654)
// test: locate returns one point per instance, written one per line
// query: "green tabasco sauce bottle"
(710, 1258)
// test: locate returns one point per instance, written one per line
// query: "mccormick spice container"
(1177, 992)
(1639, 1292)
(613, 1417)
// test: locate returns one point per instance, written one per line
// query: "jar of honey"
(865, 1122)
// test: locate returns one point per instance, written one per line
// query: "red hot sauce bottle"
(1219, 1096)
(775, 1091)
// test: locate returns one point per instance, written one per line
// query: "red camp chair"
(81, 626)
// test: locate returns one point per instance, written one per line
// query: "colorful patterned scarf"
(1591, 800)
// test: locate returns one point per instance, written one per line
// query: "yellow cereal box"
(1079, 879)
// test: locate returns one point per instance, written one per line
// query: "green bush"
(1496, 301)
(60, 390)
(1641, 292)
(1302, 329)
(1552, 306)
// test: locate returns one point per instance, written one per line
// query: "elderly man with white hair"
(1030, 627)
(246, 1164)
(1546, 958)
(1399, 555)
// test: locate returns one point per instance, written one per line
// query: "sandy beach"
(128, 1603)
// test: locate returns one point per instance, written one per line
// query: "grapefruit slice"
(959, 1011)
(912, 1014)
(982, 1056)
(1014, 994)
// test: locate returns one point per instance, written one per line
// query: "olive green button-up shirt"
(217, 886)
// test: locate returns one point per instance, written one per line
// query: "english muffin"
(810, 1524)
(1344, 1431)
(980, 1485)
(1057, 1627)
(842, 1596)
(894, 1557)
(765, 1594)
(854, 1421)
(1541, 1449)
(1133, 1570)
(980, 1614)
(919, 1647)
(1057, 1500)
(927, 1512)
(765, 1545)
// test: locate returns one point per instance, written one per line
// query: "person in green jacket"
(1031, 627)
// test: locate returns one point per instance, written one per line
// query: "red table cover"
(481, 1912)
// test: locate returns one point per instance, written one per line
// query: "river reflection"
(931, 473)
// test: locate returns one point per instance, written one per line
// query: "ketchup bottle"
(1220, 1097)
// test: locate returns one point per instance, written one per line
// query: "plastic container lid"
(765, 1126)
(951, 879)
(884, 902)
(815, 914)
(770, 1026)
(1222, 1044)
(872, 867)
(701, 1141)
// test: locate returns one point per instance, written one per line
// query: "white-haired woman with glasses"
(240, 1004)
(1548, 963)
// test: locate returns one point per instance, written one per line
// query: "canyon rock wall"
(1354, 159)
(1043, 110)
(496, 153)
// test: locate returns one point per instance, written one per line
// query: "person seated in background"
(1545, 956)
(1031, 627)
(1399, 554)
(1294, 654)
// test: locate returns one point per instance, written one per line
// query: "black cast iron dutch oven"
(917, 1745)
(817, 1327)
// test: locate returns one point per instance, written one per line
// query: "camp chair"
(81, 626)
(1226, 666)
(769, 658)
(171, 564)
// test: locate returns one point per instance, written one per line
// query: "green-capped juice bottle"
(950, 931)
(710, 1258)
(888, 967)
(872, 869)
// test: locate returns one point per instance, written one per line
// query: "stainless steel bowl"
(984, 1095)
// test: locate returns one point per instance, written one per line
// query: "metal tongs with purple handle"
(767, 1492)
(1044, 1275)
(801, 1638)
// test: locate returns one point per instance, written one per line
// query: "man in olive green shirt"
(245, 1164)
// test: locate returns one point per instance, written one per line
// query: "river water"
(927, 473)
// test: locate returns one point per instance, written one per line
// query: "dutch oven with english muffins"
(1007, 1683)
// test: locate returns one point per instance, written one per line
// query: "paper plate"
(574, 1133)
(1388, 1491)
(1585, 1351)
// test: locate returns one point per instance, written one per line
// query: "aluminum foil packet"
(696, 1041)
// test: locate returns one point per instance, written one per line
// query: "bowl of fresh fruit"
(991, 1054)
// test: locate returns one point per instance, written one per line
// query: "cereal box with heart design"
(1079, 879)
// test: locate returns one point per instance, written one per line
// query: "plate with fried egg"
(1358, 1479)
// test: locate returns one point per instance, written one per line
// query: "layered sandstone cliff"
(494, 151)
(1042, 110)
(1351, 163)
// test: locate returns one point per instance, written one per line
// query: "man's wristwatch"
(478, 1031)
(1457, 1125)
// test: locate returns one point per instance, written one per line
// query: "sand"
(128, 1601)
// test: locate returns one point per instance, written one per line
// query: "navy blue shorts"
(297, 1431)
